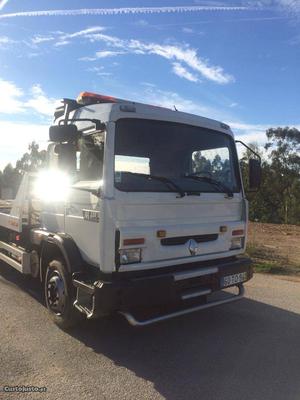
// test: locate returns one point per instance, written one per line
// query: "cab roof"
(110, 108)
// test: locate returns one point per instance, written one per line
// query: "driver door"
(83, 206)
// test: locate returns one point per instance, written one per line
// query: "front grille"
(178, 240)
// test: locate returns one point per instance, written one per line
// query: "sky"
(235, 61)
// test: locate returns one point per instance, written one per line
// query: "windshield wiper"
(168, 182)
(218, 184)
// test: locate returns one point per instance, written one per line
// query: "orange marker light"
(133, 242)
(161, 233)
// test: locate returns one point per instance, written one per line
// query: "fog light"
(130, 256)
(237, 243)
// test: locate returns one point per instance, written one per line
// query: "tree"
(10, 179)
(201, 164)
(278, 198)
(284, 152)
(32, 160)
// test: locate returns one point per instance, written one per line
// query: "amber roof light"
(86, 98)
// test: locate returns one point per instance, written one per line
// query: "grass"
(268, 261)
(270, 268)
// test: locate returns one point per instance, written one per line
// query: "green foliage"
(278, 200)
(31, 161)
(211, 165)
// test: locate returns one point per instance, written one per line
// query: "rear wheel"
(60, 295)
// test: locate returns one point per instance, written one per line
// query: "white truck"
(141, 210)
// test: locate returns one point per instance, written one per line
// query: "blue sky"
(236, 61)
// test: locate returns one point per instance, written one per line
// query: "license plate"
(234, 279)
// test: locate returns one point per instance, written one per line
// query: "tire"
(60, 295)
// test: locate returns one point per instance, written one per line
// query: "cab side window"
(90, 157)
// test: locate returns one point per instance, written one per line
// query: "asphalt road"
(246, 350)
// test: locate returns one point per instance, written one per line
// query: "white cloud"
(104, 74)
(5, 40)
(13, 100)
(32, 54)
(169, 99)
(250, 133)
(99, 71)
(189, 56)
(10, 98)
(178, 53)
(109, 40)
(182, 72)
(41, 39)
(289, 5)
(62, 43)
(87, 58)
(17, 137)
(96, 69)
(65, 38)
(244, 126)
(40, 103)
(84, 32)
(108, 53)
(125, 11)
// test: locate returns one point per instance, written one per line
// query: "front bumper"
(180, 286)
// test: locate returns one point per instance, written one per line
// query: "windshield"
(145, 148)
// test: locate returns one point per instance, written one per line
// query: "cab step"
(85, 301)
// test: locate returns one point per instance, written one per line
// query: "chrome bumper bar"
(134, 322)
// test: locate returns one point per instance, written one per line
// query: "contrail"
(2, 3)
(118, 11)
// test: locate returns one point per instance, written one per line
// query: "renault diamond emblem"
(192, 246)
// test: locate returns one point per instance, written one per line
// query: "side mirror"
(254, 174)
(62, 133)
(66, 153)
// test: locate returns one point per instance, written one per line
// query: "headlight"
(130, 256)
(237, 243)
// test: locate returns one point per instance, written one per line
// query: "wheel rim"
(56, 293)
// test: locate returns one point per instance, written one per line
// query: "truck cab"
(143, 208)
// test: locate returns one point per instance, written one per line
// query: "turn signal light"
(238, 232)
(133, 242)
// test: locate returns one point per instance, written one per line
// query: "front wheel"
(60, 295)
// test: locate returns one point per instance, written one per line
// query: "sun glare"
(51, 186)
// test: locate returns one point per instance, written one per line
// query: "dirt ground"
(275, 248)
(245, 350)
